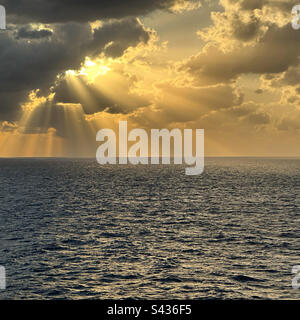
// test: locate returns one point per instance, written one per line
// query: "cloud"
(245, 31)
(176, 104)
(291, 77)
(97, 96)
(26, 66)
(114, 37)
(27, 32)
(275, 52)
(54, 11)
(250, 5)
(180, 104)
(212, 89)
(6, 126)
(31, 65)
(258, 118)
(46, 115)
(289, 124)
(244, 118)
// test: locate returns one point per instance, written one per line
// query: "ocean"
(72, 229)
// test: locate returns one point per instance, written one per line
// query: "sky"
(70, 68)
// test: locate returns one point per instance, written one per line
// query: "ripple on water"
(74, 229)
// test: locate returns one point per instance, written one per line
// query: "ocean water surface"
(72, 229)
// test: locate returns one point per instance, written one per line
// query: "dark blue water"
(75, 229)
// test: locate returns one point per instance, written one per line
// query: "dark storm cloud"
(53, 11)
(274, 53)
(34, 65)
(119, 35)
(27, 32)
(27, 66)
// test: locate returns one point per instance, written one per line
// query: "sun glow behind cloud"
(92, 68)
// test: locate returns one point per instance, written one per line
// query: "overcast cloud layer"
(53, 11)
